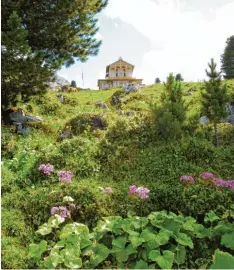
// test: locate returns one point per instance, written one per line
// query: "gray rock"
(65, 134)
(61, 98)
(100, 104)
(204, 120)
(230, 111)
(20, 117)
(188, 93)
(130, 88)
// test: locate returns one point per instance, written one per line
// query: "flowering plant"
(140, 192)
(65, 176)
(62, 211)
(46, 168)
(187, 179)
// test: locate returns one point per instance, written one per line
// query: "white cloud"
(187, 40)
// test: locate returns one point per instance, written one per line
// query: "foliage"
(73, 83)
(227, 59)
(157, 80)
(178, 77)
(86, 122)
(161, 240)
(40, 38)
(169, 118)
(17, 55)
(215, 98)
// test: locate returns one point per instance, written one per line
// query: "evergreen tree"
(56, 33)
(178, 77)
(22, 71)
(169, 118)
(73, 83)
(215, 97)
(157, 80)
(227, 59)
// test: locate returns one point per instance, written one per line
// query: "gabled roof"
(120, 59)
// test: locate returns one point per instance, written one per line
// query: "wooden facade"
(118, 74)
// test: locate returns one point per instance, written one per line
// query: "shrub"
(14, 255)
(86, 122)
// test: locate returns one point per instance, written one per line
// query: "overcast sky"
(158, 37)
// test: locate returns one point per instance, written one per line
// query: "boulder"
(130, 88)
(20, 117)
(65, 134)
(102, 105)
(61, 98)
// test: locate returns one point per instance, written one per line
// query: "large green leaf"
(71, 257)
(44, 229)
(99, 254)
(184, 240)
(180, 254)
(36, 250)
(222, 260)
(147, 235)
(163, 236)
(119, 242)
(53, 260)
(228, 240)
(154, 254)
(165, 261)
(122, 254)
(136, 240)
(55, 221)
(141, 265)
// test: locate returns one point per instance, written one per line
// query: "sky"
(158, 37)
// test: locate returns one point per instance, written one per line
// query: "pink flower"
(46, 168)
(187, 178)
(60, 210)
(207, 175)
(141, 192)
(132, 189)
(65, 176)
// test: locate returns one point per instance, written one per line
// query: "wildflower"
(132, 189)
(65, 176)
(46, 168)
(60, 210)
(187, 178)
(207, 175)
(141, 192)
(223, 183)
(108, 190)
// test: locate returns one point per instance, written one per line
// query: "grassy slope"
(140, 166)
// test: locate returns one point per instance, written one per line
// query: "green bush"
(86, 122)
(161, 240)
(14, 255)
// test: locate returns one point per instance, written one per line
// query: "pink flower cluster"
(207, 175)
(60, 210)
(46, 168)
(108, 190)
(65, 176)
(219, 182)
(141, 192)
(187, 178)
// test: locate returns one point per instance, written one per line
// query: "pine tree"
(56, 33)
(178, 77)
(73, 83)
(157, 80)
(169, 118)
(214, 98)
(22, 71)
(227, 59)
